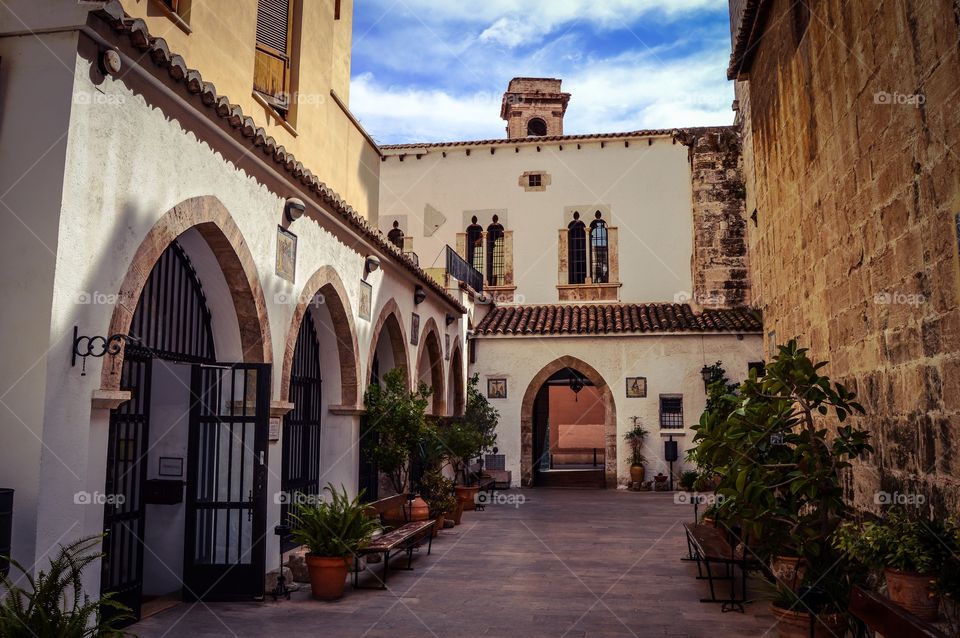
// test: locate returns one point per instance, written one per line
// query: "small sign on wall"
(446, 347)
(366, 300)
(496, 388)
(636, 387)
(274, 433)
(286, 254)
(415, 329)
(171, 466)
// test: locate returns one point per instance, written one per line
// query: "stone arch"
(327, 282)
(609, 418)
(391, 319)
(456, 380)
(212, 220)
(432, 348)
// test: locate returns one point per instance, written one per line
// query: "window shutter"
(273, 18)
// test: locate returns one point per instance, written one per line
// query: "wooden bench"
(878, 613)
(403, 539)
(711, 549)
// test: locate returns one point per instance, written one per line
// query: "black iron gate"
(171, 322)
(368, 474)
(301, 425)
(226, 482)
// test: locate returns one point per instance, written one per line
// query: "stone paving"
(564, 563)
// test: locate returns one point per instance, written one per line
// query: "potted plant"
(398, 416)
(910, 551)
(332, 531)
(468, 438)
(635, 438)
(438, 492)
(688, 480)
(52, 603)
(793, 612)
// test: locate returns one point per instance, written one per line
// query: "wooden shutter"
(272, 68)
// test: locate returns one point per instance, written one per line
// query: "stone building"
(613, 264)
(196, 300)
(850, 116)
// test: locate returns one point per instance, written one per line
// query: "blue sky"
(434, 70)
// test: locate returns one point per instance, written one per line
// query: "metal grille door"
(226, 508)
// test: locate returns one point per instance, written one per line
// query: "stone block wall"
(855, 123)
(720, 259)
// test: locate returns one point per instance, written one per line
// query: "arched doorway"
(430, 366)
(184, 451)
(388, 350)
(455, 391)
(560, 450)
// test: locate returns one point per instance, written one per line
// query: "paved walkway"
(564, 563)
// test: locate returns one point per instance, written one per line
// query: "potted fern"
(635, 438)
(53, 603)
(332, 531)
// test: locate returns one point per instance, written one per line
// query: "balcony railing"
(458, 268)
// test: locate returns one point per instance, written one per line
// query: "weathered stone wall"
(855, 132)
(720, 260)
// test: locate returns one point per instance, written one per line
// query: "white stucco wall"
(645, 186)
(670, 363)
(123, 162)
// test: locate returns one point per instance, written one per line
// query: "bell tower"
(534, 107)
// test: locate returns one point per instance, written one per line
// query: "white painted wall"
(646, 187)
(671, 364)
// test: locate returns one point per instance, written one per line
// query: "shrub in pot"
(438, 492)
(332, 531)
(688, 480)
(52, 603)
(917, 556)
(468, 437)
(635, 438)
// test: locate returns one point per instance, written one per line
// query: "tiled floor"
(564, 563)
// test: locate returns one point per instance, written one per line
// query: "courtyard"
(574, 563)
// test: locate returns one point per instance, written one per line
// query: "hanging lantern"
(576, 384)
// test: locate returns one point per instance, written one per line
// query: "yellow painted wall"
(221, 45)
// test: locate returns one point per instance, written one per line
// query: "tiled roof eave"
(158, 52)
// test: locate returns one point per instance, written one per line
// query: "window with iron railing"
(462, 271)
(576, 251)
(475, 245)
(671, 411)
(495, 254)
(599, 251)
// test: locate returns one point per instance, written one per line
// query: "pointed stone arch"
(431, 352)
(456, 380)
(609, 418)
(327, 283)
(213, 222)
(391, 319)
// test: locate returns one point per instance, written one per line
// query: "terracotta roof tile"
(598, 319)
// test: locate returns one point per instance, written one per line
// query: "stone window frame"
(661, 413)
(506, 292)
(588, 291)
(545, 180)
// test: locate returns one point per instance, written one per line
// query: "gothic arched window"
(475, 245)
(495, 257)
(599, 251)
(396, 235)
(576, 250)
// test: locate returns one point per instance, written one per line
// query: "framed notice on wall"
(286, 254)
(366, 300)
(636, 387)
(496, 388)
(415, 329)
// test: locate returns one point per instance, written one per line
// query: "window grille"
(495, 257)
(535, 180)
(599, 252)
(671, 411)
(576, 251)
(475, 246)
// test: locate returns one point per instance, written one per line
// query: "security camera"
(295, 208)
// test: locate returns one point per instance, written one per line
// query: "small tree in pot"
(468, 438)
(332, 531)
(636, 438)
(437, 490)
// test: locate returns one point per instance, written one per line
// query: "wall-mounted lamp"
(419, 295)
(450, 318)
(707, 373)
(294, 208)
(371, 264)
(110, 62)
(96, 346)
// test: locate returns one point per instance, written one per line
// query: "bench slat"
(883, 615)
(397, 537)
(709, 542)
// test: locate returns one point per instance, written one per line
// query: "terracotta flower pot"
(796, 624)
(913, 592)
(789, 570)
(438, 525)
(636, 473)
(328, 576)
(468, 496)
(458, 513)
(417, 510)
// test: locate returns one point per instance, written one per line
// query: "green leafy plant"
(53, 602)
(397, 416)
(635, 438)
(688, 479)
(472, 434)
(437, 491)
(334, 528)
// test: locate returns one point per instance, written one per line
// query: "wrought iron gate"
(301, 425)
